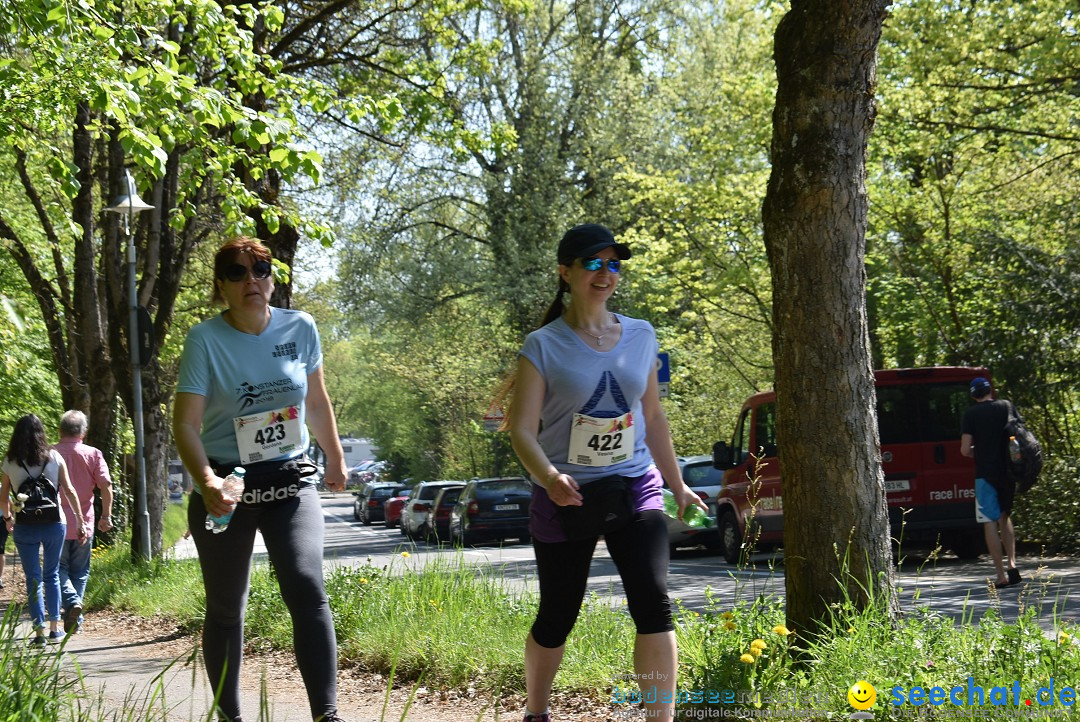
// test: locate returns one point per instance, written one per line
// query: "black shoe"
(37, 641)
(1014, 576)
(332, 717)
(71, 618)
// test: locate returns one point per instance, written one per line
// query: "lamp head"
(128, 201)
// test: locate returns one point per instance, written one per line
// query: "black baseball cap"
(587, 240)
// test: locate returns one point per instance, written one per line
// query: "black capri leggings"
(293, 532)
(640, 551)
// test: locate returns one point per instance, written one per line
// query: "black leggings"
(640, 551)
(293, 533)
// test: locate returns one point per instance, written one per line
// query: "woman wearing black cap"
(587, 423)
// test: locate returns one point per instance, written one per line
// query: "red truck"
(930, 486)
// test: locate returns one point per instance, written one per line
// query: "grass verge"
(454, 625)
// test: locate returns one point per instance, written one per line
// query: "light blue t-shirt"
(240, 374)
(603, 384)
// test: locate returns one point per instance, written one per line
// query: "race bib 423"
(268, 435)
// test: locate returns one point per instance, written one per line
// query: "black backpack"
(40, 505)
(1024, 470)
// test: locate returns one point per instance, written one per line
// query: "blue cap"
(979, 387)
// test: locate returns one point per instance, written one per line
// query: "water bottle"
(693, 515)
(1014, 450)
(232, 486)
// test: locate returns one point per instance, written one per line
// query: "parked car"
(368, 502)
(392, 508)
(492, 510)
(437, 528)
(706, 480)
(414, 515)
(366, 472)
(929, 485)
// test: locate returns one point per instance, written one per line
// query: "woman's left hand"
(334, 477)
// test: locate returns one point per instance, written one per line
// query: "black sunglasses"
(595, 264)
(238, 272)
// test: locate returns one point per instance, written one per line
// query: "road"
(947, 585)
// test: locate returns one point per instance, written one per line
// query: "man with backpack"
(88, 471)
(983, 438)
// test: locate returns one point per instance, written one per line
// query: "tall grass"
(171, 588)
(454, 625)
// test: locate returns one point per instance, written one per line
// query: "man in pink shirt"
(88, 470)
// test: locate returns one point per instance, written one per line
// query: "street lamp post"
(127, 204)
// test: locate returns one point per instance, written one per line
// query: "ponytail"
(556, 308)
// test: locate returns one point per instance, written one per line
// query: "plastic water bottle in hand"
(692, 514)
(232, 487)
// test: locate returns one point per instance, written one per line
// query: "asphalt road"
(703, 580)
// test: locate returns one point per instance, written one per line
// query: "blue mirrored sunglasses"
(595, 264)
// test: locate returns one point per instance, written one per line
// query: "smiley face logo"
(862, 695)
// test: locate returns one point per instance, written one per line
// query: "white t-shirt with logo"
(246, 377)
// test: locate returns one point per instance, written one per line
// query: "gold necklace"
(600, 338)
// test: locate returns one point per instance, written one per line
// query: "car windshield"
(696, 475)
(381, 493)
(921, 413)
(503, 487)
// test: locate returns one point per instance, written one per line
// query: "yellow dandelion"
(730, 626)
(727, 615)
(759, 644)
(406, 554)
(1064, 638)
(363, 580)
(755, 651)
(781, 630)
(747, 659)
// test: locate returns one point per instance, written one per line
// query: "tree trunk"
(836, 523)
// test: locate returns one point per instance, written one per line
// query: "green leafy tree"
(975, 180)
(192, 94)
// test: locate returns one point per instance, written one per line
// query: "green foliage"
(973, 181)
(1049, 514)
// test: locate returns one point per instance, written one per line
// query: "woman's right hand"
(214, 499)
(563, 490)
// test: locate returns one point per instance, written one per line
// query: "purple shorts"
(645, 491)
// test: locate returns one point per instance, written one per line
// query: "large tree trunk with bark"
(836, 527)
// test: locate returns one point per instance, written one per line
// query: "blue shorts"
(990, 504)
